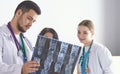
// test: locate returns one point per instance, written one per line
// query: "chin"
(81, 41)
(23, 31)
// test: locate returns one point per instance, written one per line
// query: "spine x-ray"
(54, 56)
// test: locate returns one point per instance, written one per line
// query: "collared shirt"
(10, 62)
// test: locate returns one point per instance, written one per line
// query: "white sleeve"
(105, 59)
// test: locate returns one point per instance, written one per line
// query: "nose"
(30, 23)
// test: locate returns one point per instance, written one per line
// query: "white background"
(62, 15)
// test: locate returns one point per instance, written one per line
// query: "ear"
(19, 12)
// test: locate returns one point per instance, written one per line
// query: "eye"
(30, 19)
(79, 32)
(85, 33)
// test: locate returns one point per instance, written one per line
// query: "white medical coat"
(10, 62)
(100, 60)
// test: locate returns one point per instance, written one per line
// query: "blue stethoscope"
(84, 59)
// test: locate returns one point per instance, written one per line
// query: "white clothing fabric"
(10, 62)
(100, 60)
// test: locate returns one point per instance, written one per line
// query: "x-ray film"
(54, 56)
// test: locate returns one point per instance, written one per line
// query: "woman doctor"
(94, 58)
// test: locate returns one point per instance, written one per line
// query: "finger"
(30, 70)
(32, 64)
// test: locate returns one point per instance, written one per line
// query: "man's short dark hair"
(27, 5)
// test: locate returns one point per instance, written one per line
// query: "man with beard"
(15, 49)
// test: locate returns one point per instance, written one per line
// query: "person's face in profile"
(48, 34)
(25, 20)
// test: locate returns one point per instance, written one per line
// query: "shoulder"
(3, 27)
(4, 30)
(98, 45)
(100, 48)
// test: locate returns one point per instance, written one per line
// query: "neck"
(14, 27)
(88, 43)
